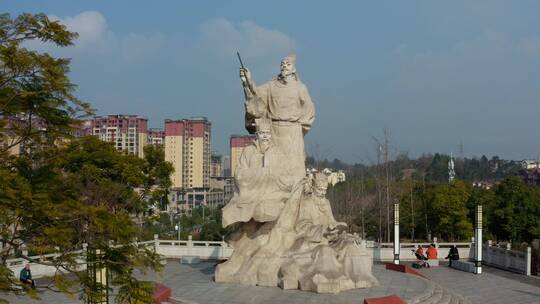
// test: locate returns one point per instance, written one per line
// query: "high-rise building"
(226, 165)
(187, 148)
(156, 136)
(126, 132)
(238, 143)
(216, 168)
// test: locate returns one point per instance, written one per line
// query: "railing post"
(222, 249)
(471, 249)
(507, 256)
(156, 242)
(528, 261)
(190, 244)
(488, 249)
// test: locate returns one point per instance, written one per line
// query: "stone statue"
(262, 183)
(286, 101)
(287, 235)
(324, 257)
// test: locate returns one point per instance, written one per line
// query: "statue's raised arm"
(285, 100)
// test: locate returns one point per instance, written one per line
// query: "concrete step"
(426, 294)
(446, 298)
(436, 297)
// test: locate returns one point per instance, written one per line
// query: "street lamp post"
(478, 241)
(178, 228)
(396, 233)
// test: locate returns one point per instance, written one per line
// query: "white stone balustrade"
(507, 259)
(382, 252)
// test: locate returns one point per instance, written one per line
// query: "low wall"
(384, 252)
(381, 252)
(507, 259)
(38, 268)
(207, 250)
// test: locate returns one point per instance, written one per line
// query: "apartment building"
(237, 145)
(187, 148)
(216, 168)
(127, 133)
(156, 136)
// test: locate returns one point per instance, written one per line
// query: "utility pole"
(387, 169)
(379, 194)
(362, 204)
(412, 211)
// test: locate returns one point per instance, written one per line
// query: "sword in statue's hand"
(245, 76)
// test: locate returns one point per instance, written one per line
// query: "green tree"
(516, 211)
(447, 210)
(61, 193)
(486, 198)
(37, 104)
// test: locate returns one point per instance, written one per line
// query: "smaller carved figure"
(325, 258)
(262, 185)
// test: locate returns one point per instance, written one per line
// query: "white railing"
(381, 252)
(39, 268)
(384, 252)
(505, 258)
(207, 250)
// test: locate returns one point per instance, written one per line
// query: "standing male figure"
(284, 100)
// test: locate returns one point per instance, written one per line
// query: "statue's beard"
(264, 144)
(285, 75)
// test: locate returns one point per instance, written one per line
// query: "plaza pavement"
(194, 284)
(493, 286)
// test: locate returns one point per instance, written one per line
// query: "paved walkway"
(194, 284)
(494, 286)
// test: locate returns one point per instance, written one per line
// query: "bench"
(393, 299)
(190, 259)
(463, 265)
(161, 293)
(433, 263)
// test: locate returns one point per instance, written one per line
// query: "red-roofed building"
(238, 143)
(126, 132)
(187, 147)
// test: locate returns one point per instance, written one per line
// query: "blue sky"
(436, 73)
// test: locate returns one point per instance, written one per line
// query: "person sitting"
(431, 252)
(26, 276)
(419, 253)
(453, 254)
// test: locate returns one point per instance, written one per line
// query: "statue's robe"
(289, 106)
(262, 186)
(319, 265)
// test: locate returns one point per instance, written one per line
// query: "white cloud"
(92, 29)
(224, 38)
(95, 37)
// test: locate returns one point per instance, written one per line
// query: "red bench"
(403, 268)
(161, 293)
(393, 299)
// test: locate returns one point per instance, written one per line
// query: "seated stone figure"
(324, 257)
(262, 182)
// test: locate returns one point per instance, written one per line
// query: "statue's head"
(320, 184)
(288, 66)
(263, 127)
